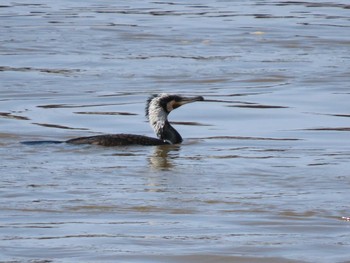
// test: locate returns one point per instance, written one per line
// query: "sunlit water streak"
(263, 173)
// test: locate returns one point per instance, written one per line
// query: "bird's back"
(117, 140)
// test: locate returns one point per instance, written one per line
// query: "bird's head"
(159, 106)
(167, 102)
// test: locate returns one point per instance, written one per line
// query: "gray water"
(263, 174)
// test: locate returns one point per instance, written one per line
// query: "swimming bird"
(158, 108)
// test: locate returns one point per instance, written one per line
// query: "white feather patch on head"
(156, 114)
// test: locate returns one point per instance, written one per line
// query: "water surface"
(263, 173)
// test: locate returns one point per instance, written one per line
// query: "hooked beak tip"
(194, 99)
(187, 100)
(200, 98)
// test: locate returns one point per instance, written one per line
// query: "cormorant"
(158, 108)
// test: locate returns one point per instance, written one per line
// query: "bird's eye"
(177, 99)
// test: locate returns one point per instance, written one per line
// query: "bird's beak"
(186, 100)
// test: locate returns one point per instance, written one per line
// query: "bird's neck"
(163, 129)
(169, 134)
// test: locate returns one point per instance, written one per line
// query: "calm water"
(263, 174)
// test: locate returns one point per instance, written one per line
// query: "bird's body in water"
(158, 108)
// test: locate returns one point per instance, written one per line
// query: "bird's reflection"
(163, 157)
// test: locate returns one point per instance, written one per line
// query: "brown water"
(263, 174)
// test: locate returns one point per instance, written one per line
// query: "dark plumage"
(117, 140)
(158, 108)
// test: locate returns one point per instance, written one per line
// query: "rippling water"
(263, 174)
